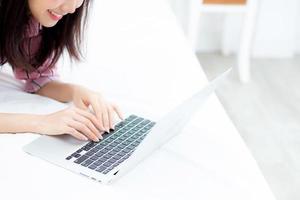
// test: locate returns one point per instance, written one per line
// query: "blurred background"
(260, 40)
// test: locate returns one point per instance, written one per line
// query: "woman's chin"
(49, 24)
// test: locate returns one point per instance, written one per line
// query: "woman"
(33, 35)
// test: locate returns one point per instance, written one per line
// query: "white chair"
(248, 8)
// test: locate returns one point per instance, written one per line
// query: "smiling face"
(49, 12)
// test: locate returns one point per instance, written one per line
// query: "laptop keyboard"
(115, 147)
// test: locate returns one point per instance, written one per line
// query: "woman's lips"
(54, 15)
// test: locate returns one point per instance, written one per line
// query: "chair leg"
(193, 22)
(244, 53)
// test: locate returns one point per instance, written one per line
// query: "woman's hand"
(88, 119)
(104, 111)
(81, 124)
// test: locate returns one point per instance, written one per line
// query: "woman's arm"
(19, 123)
(79, 123)
(59, 91)
(72, 121)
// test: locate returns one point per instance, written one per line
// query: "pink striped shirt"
(43, 74)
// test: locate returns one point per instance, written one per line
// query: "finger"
(89, 124)
(118, 111)
(73, 132)
(105, 118)
(82, 128)
(80, 105)
(91, 117)
(98, 112)
(110, 117)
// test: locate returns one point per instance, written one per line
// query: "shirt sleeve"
(35, 80)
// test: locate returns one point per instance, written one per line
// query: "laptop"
(133, 140)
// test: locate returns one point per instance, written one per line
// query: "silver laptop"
(133, 140)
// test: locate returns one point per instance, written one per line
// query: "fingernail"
(85, 138)
(100, 136)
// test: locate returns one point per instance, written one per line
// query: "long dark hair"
(66, 34)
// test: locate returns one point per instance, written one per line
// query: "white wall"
(276, 28)
(277, 33)
(297, 33)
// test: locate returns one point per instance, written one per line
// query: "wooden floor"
(266, 112)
